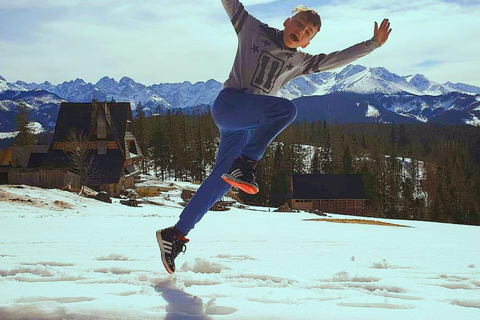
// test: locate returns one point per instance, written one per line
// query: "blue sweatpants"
(247, 123)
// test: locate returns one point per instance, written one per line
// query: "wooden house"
(109, 131)
(333, 193)
(19, 172)
(5, 164)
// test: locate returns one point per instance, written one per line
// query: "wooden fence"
(53, 178)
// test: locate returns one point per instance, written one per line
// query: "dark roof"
(328, 186)
(79, 116)
(110, 166)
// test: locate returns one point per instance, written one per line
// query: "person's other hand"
(382, 33)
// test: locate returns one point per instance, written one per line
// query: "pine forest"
(420, 172)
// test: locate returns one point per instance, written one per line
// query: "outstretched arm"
(382, 33)
(237, 14)
(323, 62)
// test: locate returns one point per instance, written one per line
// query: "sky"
(158, 41)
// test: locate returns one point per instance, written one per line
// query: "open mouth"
(294, 37)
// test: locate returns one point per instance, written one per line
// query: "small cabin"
(332, 193)
(109, 130)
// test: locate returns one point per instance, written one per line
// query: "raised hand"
(382, 33)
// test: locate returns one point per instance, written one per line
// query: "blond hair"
(312, 15)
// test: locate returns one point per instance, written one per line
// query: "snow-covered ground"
(67, 257)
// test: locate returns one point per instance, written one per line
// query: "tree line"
(421, 172)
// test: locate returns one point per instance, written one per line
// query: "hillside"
(67, 257)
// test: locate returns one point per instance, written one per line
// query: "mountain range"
(353, 94)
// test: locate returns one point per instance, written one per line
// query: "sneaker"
(242, 175)
(171, 243)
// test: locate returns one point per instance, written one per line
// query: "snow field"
(92, 260)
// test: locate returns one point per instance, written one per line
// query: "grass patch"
(359, 221)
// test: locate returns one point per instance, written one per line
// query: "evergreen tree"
(347, 160)
(326, 155)
(197, 147)
(315, 164)
(364, 143)
(402, 141)
(25, 135)
(159, 149)
(279, 186)
(264, 173)
(141, 134)
(393, 136)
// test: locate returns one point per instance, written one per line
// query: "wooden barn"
(333, 193)
(110, 140)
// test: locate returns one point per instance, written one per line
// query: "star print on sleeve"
(254, 48)
(266, 43)
(289, 55)
(289, 67)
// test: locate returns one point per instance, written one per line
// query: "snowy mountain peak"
(125, 81)
(21, 83)
(359, 79)
(349, 70)
(75, 82)
(383, 73)
(79, 81)
(106, 83)
(2, 78)
(3, 85)
(211, 83)
(462, 87)
(420, 82)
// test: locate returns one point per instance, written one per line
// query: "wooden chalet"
(109, 127)
(333, 193)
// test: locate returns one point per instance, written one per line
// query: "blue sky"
(155, 41)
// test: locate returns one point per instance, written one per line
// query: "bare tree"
(81, 158)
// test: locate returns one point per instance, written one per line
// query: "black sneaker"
(171, 243)
(242, 175)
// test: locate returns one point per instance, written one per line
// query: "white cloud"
(23, 4)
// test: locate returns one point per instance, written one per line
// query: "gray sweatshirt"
(263, 64)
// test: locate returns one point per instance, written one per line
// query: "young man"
(248, 113)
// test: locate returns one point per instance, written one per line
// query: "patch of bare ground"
(359, 221)
(10, 197)
(63, 204)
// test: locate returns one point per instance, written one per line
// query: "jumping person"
(247, 111)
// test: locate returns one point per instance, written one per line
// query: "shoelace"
(181, 246)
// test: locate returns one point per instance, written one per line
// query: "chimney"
(93, 114)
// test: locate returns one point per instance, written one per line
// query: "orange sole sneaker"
(242, 185)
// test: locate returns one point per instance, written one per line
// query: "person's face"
(298, 31)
